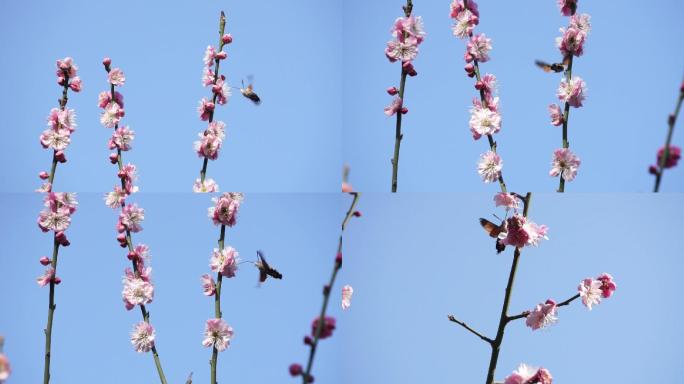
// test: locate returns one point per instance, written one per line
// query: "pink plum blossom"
(326, 330)
(217, 128)
(508, 200)
(111, 115)
(208, 145)
(394, 107)
(221, 90)
(208, 77)
(217, 334)
(557, 117)
(226, 208)
(122, 138)
(581, 22)
(542, 315)
(116, 198)
(208, 285)
(209, 185)
(403, 51)
(564, 164)
(479, 47)
(131, 216)
(572, 92)
(116, 77)
(61, 200)
(209, 56)
(106, 97)
(489, 167)
(571, 42)
(590, 291)
(205, 109)
(347, 292)
(484, 121)
(54, 220)
(522, 232)
(608, 286)
(46, 277)
(137, 290)
(225, 261)
(56, 139)
(142, 337)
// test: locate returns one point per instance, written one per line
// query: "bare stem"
(503, 319)
(466, 326)
(217, 304)
(222, 28)
(666, 149)
(527, 313)
(327, 289)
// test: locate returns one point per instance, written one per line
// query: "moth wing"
(492, 229)
(543, 65)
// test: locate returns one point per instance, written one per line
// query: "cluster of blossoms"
(224, 262)
(55, 217)
(211, 139)
(571, 91)
(138, 289)
(529, 375)
(591, 291)
(485, 117)
(61, 121)
(407, 35)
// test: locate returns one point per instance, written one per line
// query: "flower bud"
(404, 110)
(326, 289)
(310, 379)
(308, 340)
(392, 91)
(479, 85)
(75, 84)
(468, 57)
(107, 62)
(59, 156)
(357, 214)
(132, 255)
(120, 227)
(121, 238)
(221, 55)
(113, 158)
(295, 370)
(469, 68)
(653, 170)
(227, 38)
(43, 175)
(60, 236)
(44, 260)
(338, 258)
(57, 280)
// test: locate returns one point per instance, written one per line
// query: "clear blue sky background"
(289, 143)
(412, 259)
(631, 65)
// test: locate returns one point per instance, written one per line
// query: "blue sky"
(631, 66)
(289, 143)
(412, 260)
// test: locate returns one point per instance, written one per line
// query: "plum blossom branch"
(211, 140)
(525, 314)
(59, 206)
(668, 155)
(571, 90)
(408, 34)
(485, 117)
(224, 261)
(138, 289)
(5, 369)
(322, 326)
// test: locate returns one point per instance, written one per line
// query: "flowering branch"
(211, 140)
(217, 305)
(138, 288)
(323, 326)
(407, 33)
(5, 369)
(571, 90)
(59, 206)
(485, 119)
(519, 232)
(668, 155)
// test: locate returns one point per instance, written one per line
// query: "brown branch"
(466, 326)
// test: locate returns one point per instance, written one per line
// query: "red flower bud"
(295, 370)
(392, 91)
(44, 260)
(43, 175)
(227, 38)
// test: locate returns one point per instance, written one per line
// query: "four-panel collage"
(328, 191)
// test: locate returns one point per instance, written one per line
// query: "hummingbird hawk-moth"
(265, 270)
(248, 91)
(553, 67)
(496, 231)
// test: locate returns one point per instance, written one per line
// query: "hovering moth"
(496, 231)
(248, 91)
(265, 270)
(553, 67)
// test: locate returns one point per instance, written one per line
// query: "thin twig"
(527, 313)
(670, 130)
(217, 304)
(466, 326)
